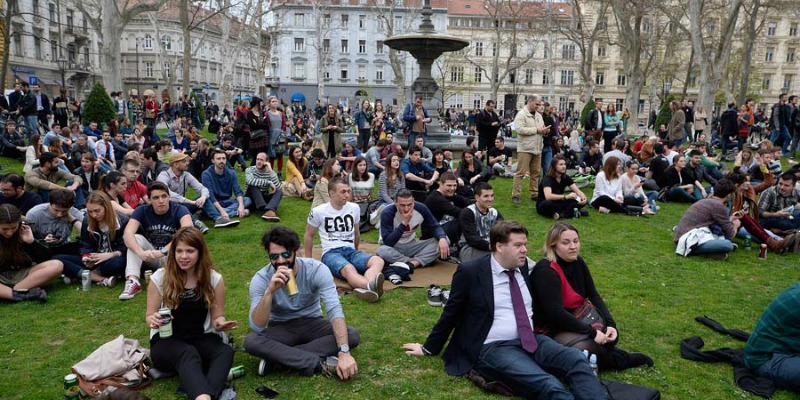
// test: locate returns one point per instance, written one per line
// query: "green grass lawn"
(653, 294)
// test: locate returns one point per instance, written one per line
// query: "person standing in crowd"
(595, 121)
(259, 130)
(688, 126)
(289, 329)
(781, 113)
(276, 125)
(531, 131)
(487, 122)
(562, 283)
(488, 321)
(60, 108)
(416, 118)
(331, 126)
(700, 122)
(150, 108)
(23, 269)
(194, 292)
(611, 127)
(676, 130)
(363, 121)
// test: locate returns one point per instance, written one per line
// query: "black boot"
(32, 294)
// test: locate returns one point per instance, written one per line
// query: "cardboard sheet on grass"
(440, 273)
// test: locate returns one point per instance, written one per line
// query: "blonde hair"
(553, 236)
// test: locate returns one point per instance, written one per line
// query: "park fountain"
(425, 45)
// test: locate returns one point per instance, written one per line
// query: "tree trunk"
(399, 77)
(111, 65)
(6, 44)
(749, 42)
(187, 47)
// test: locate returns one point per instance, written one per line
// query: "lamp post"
(62, 66)
(138, 82)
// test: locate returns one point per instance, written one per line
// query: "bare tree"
(321, 41)
(7, 13)
(396, 18)
(584, 30)
(109, 18)
(169, 64)
(513, 25)
(452, 77)
(244, 39)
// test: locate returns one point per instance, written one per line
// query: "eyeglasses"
(275, 256)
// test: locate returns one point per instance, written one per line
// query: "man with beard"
(290, 330)
(12, 191)
(554, 201)
(45, 178)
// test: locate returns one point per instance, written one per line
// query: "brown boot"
(776, 245)
(270, 216)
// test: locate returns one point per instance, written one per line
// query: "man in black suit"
(488, 123)
(43, 110)
(489, 314)
(594, 121)
(14, 97)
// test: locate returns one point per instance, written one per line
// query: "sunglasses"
(285, 254)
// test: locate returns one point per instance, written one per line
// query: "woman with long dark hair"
(259, 130)
(563, 287)
(331, 126)
(113, 184)
(363, 120)
(21, 274)
(391, 180)
(276, 121)
(679, 185)
(294, 185)
(470, 172)
(330, 169)
(194, 293)
(607, 196)
(362, 182)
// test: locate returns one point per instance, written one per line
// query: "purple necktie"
(520, 315)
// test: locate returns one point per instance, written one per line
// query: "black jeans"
(564, 208)
(609, 203)
(363, 139)
(202, 364)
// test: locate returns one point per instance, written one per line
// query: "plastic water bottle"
(593, 363)
(586, 354)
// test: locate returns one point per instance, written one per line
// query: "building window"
(793, 30)
(790, 54)
(35, 7)
(299, 70)
(545, 77)
(772, 28)
(52, 9)
(344, 45)
(299, 19)
(380, 25)
(326, 75)
(478, 75)
(601, 51)
(166, 41)
(567, 77)
(148, 42)
(326, 20)
(343, 72)
(494, 49)
(362, 22)
(398, 23)
(769, 55)
(379, 47)
(766, 81)
(167, 71)
(457, 101)
(299, 44)
(345, 20)
(18, 44)
(148, 70)
(86, 55)
(600, 78)
(622, 80)
(37, 48)
(379, 73)
(54, 50)
(326, 45)
(362, 72)
(70, 19)
(619, 104)
(476, 101)
(568, 51)
(788, 79)
(479, 49)
(562, 102)
(529, 76)
(362, 46)
(456, 74)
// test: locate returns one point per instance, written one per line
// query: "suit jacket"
(45, 105)
(591, 120)
(468, 315)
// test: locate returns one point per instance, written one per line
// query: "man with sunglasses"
(288, 326)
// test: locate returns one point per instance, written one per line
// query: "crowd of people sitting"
(127, 198)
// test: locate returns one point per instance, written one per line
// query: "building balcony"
(272, 79)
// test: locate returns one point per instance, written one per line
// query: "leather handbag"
(258, 134)
(588, 314)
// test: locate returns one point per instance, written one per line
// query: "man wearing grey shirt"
(289, 329)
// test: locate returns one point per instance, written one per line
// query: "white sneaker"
(367, 295)
(109, 282)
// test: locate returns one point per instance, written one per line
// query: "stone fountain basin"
(428, 44)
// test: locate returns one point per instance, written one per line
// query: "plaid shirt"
(777, 330)
(772, 201)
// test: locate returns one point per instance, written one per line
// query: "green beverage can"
(71, 389)
(236, 372)
(748, 242)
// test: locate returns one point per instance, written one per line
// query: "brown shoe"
(775, 245)
(270, 216)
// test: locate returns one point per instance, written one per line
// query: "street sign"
(32, 80)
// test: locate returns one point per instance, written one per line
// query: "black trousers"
(202, 364)
(609, 203)
(564, 208)
(608, 139)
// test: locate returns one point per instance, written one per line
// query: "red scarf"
(570, 297)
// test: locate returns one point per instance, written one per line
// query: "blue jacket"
(93, 133)
(409, 117)
(220, 187)
(391, 234)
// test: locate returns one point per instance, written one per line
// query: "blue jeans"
(783, 370)
(783, 224)
(537, 375)
(237, 158)
(338, 258)
(80, 198)
(714, 247)
(783, 133)
(231, 207)
(681, 195)
(32, 123)
(547, 157)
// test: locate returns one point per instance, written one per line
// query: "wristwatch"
(344, 348)
(164, 250)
